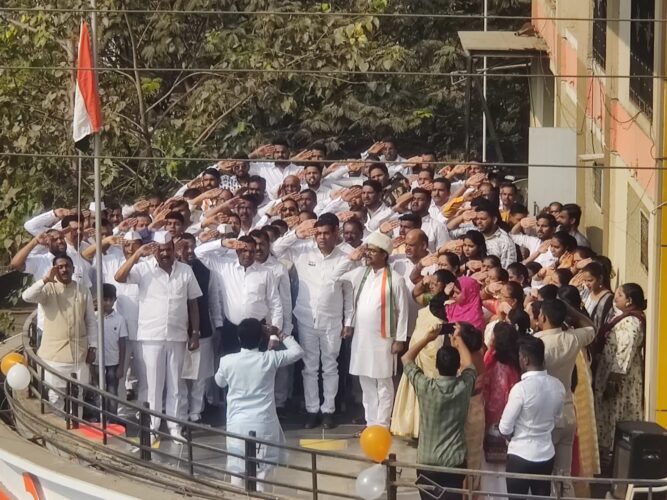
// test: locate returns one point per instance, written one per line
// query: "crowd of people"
(428, 290)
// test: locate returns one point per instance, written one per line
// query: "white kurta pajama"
(371, 358)
(323, 306)
(163, 332)
(250, 375)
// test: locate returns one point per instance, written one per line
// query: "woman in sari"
(405, 416)
(596, 293)
(619, 378)
(501, 363)
(474, 426)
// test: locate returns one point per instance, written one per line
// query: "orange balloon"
(10, 360)
(375, 441)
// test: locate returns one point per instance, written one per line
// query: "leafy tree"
(298, 88)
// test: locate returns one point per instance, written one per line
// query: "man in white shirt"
(127, 305)
(569, 219)
(377, 212)
(280, 274)
(248, 289)
(561, 347)
(273, 165)
(533, 407)
(323, 309)
(210, 319)
(250, 375)
(544, 226)
(168, 322)
(246, 208)
(353, 234)
(380, 326)
(435, 230)
(409, 266)
(322, 187)
(387, 151)
(439, 197)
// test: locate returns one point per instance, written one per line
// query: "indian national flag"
(87, 113)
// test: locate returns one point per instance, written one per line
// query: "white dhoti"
(196, 388)
(59, 385)
(164, 362)
(325, 345)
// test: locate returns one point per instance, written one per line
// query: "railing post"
(41, 390)
(74, 405)
(391, 477)
(188, 435)
(145, 432)
(67, 405)
(250, 465)
(313, 466)
(104, 408)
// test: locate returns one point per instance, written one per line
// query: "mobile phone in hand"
(447, 328)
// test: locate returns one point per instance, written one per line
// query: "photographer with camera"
(443, 403)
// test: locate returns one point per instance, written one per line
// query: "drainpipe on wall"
(656, 344)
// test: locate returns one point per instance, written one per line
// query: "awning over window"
(501, 44)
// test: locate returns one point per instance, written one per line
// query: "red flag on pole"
(87, 112)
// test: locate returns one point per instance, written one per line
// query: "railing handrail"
(32, 355)
(391, 463)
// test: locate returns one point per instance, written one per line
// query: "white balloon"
(18, 377)
(371, 482)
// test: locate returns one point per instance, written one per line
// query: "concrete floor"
(342, 438)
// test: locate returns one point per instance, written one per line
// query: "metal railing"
(185, 465)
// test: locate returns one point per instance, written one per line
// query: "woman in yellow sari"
(405, 417)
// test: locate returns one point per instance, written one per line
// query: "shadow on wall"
(595, 236)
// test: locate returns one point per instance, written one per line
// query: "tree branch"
(207, 132)
(137, 85)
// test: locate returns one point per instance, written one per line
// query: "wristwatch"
(195, 332)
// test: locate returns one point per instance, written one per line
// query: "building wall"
(611, 131)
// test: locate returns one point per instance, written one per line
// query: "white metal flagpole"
(97, 147)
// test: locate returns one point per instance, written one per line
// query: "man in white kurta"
(168, 322)
(380, 327)
(323, 311)
(250, 375)
(127, 305)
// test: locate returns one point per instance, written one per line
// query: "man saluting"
(380, 326)
(251, 375)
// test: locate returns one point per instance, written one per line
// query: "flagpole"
(97, 147)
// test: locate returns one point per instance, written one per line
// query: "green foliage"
(184, 113)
